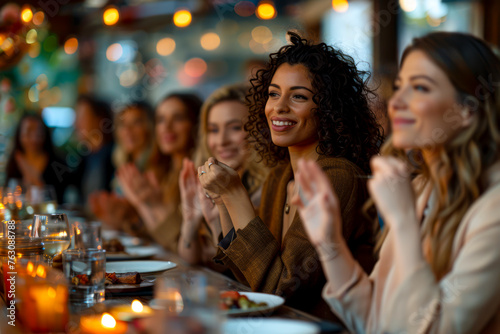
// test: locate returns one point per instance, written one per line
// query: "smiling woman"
(311, 102)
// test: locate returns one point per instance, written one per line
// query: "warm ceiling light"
(71, 45)
(266, 11)
(111, 16)
(195, 67)
(165, 46)
(26, 14)
(210, 41)
(262, 34)
(182, 18)
(340, 6)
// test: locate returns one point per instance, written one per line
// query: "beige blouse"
(466, 300)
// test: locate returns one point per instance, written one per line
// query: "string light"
(111, 16)
(182, 18)
(340, 6)
(265, 11)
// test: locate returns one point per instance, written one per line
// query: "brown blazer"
(291, 268)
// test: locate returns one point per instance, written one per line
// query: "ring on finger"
(210, 164)
(202, 172)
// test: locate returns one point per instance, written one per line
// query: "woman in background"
(155, 193)
(222, 136)
(134, 136)
(94, 131)
(439, 261)
(33, 159)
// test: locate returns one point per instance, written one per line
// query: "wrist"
(330, 249)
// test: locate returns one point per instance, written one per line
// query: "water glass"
(87, 235)
(189, 298)
(85, 270)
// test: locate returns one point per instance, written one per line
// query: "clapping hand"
(391, 190)
(217, 178)
(139, 188)
(317, 204)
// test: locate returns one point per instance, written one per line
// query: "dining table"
(145, 296)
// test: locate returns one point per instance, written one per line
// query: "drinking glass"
(87, 234)
(188, 298)
(54, 231)
(85, 270)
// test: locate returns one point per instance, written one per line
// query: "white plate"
(272, 301)
(133, 253)
(268, 326)
(142, 267)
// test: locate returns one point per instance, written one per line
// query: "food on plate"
(123, 278)
(230, 300)
(113, 246)
(111, 278)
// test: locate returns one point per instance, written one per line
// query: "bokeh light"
(195, 67)
(408, 5)
(38, 18)
(265, 11)
(340, 6)
(165, 46)
(31, 36)
(262, 34)
(114, 52)
(71, 45)
(210, 41)
(111, 16)
(26, 14)
(244, 8)
(182, 18)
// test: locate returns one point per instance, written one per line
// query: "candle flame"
(40, 271)
(30, 268)
(108, 321)
(137, 306)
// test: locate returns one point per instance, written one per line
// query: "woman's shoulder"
(334, 165)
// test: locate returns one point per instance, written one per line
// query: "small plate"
(272, 301)
(269, 326)
(133, 253)
(142, 267)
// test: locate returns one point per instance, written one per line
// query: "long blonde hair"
(474, 70)
(256, 172)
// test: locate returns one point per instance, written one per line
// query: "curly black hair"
(346, 125)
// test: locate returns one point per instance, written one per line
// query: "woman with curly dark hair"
(309, 102)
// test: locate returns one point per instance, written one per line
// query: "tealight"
(102, 324)
(132, 311)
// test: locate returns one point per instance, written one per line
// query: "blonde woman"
(155, 193)
(439, 261)
(221, 135)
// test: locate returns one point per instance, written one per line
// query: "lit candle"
(104, 324)
(134, 311)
